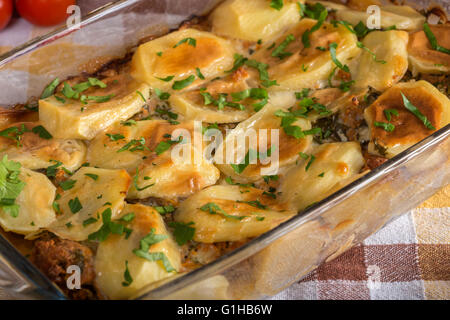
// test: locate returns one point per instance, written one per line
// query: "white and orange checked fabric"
(408, 259)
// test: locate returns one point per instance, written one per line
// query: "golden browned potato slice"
(159, 175)
(36, 152)
(286, 146)
(408, 128)
(422, 58)
(307, 67)
(179, 54)
(35, 204)
(192, 104)
(231, 213)
(81, 206)
(403, 17)
(76, 120)
(387, 61)
(313, 178)
(9, 116)
(117, 254)
(253, 20)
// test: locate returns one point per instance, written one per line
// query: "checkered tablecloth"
(408, 259)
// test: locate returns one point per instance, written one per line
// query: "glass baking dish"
(265, 265)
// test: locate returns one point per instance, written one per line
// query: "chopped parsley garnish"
(417, 113)
(127, 276)
(128, 123)
(145, 245)
(92, 176)
(115, 137)
(276, 4)
(161, 94)
(433, 41)
(166, 79)
(95, 82)
(199, 74)
(239, 168)
(67, 185)
(310, 162)
(189, 41)
(361, 30)
(89, 221)
(320, 20)
(389, 127)
(165, 145)
(267, 179)
(128, 217)
(254, 203)
(135, 145)
(42, 132)
(107, 228)
(389, 112)
(221, 102)
(10, 186)
(165, 209)
(279, 51)
(75, 205)
(374, 57)
(213, 208)
(321, 175)
(240, 60)
(159, 53)
(141, 95)
(333, 47)
(14, 133)
(135, 180)
(178, 85)
(50, 89)
(182, 232)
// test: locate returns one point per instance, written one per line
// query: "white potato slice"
(422, 58)
(192, 104)
(211, 54)
(390, 62)
(35, 204)
(254, 212)
(252, 20)
(102, 189)
(403, 17)
(116, 253)
(35, 152)
(75, 120)
(288, 146)
(311, 181)
(169, 178)
(307, 67)
(408, 128)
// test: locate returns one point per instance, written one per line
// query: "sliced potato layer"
(313, 178)
(387, 61)
(115, 255)
(231, 213)
(192, 104)
(252, 20)
(307, 67)
(159, 175)
(403, 17)
(81, 207)
(35, 152)
(179, 54)
(74, 119)
(423, 58)
(408, 128)
(257, 129)
(35, 204)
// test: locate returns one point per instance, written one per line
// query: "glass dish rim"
(49, 290)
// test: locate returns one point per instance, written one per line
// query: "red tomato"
(6, 10)
(44, 12)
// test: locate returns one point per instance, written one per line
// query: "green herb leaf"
(92, 176)
(165, 209)
(213, 208)
(10, 186)
(178, 85)
(199, 74)
(276, 4)
(89, 221)
(75, 205)
(95, 82)
(68, 184)
(115, 137)
(333, 47)
(417, 113)
(127, 276)
(389, 127)
(374, 57)
(161, 94)
(135, 180)
(189, 41)
(182, 232)
(389, 112)
(128, 217)
(433, 41)
(166, 79)
(50, 89)
(320, 20)
(279, 51)
(42, 132)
